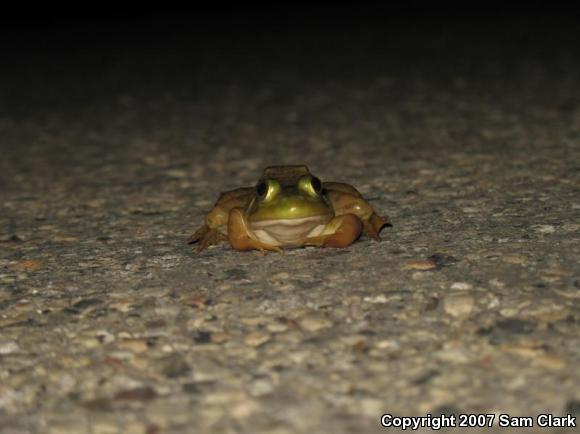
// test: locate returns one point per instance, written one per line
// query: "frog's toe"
(204, 242)
(205, 237)
(374, 225)
(267, 248)
(370, 231)
(198, 235)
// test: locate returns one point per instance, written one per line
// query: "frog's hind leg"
(346, 199)
(205, 237)
(373, 225)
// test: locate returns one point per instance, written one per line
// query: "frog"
(288, 208)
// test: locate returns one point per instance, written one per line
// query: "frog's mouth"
(288, 232)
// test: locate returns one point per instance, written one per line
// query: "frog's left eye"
(310, 185)
(268, 190)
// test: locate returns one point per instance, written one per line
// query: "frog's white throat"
(288, 232)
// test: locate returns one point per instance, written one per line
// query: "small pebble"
(443, 260)
(140, 394)
(244, 409)
(90, 341)
(8, 347)
(453, 352)
(260, 387)
(220, 337)
(254, 320)
(176, 173)
(136, 427)
(369, 407)
(516, 326)
(377, 299)
(458, 305)
(277, 327)
(65, 238)
(139, 345)
(558, 272)
(202, 337)
(509, 312)
(571, 227)
(423, 265)
(64, 426)
(314, 322)
(197, 301)
(102, 426)
(255, 339)
(281, 276)
(174, 366)
(123, 305)
(514, 258)
(27, 265)
(388, 344)
(544, 229)
(461, 286)
(471, 210)
(550, 361)
(206, 370)
(104, 336)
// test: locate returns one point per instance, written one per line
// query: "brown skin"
(341, 209)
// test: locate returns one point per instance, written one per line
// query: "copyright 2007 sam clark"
(476, 420)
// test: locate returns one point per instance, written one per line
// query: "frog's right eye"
(268, 190)
(262, 189)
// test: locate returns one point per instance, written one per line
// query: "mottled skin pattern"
(290, 195)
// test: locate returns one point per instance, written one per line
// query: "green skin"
(289, 203)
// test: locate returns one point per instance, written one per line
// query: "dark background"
(63, 60)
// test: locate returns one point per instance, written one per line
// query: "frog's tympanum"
(289, 207)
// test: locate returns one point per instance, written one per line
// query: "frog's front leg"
(212, 231)
(341, 231)
(240, 236)
(205, 236)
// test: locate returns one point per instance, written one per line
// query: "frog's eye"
(310, 185)
(316, 185)
(268, 190)
(262, 189)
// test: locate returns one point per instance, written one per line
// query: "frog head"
(289, 205)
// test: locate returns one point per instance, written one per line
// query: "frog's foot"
(373, 226)
(240, 236)
(341, 231)
(205, 237)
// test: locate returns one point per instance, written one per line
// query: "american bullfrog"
(289, 207)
